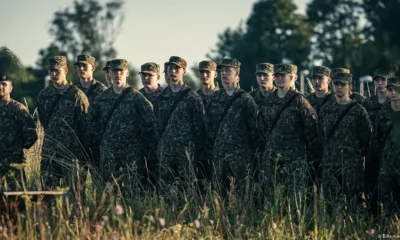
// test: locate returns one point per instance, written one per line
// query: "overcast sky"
(152, 30)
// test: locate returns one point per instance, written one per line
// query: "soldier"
(320, 80)
(62, 110)
(353, 95)
(346, 132)
(107, 76)
(388, 132)
(126, 120)
(208, 74)
(17, 129)
(150, 74)
(373, 105)
(180, 125)
(265, 78)
(290, 125)
(231, 118)
(85, 66)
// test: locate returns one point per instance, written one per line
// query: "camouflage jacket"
(206, 98)
(295, 135)
(373, 108)
(234, 135)
(351, 138)
(93, 91)
(357, 97)
(182, 132)
(64, 127)
(151, 96)
(258, 97)
(128, 136)
(18, 132)
(317, 102)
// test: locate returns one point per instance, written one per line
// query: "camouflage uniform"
(354, 96)
(357, 97)
(151, 68)
(152, 96)
(292, 143)
(210, 66)
(318, 102)
(342, 164)
(64, 127)
(181, 133)
(18, 132)
(128, 138)
(387, 133)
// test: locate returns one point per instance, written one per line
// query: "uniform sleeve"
(41, 112)
(81, 111)
(147, 120)
(29, 134)
(94, 130)
(364, 131)
(251, 118)
(199, 124)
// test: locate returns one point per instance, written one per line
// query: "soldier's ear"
(93, 68)
(66, 70)
(216, 75)
(329, 80)
(295, 77)
(127, 72)
(350, 86)
(158, 77)
(184, 71)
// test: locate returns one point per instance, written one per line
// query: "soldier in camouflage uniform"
(265, 78)
(107, 76)
(17, 129)
(180, 125)
(320, 80)
(126, 120)
(387, 133)
(150, 74)
(208, 74)
(373, 105)
(231, 126)
(62, 109)
(290, 127)
(353, 95)
(346, 131)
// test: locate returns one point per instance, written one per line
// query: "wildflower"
(211, 222)
(99, 228)
(105, 218)
(197, 223)
(273, 225)
(162, 222)
(151, 218)
(371, 231)
(119, 210)
(102, 223)
(1, 228)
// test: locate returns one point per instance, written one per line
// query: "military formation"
(334, 137)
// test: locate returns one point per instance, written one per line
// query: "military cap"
(321, 71)
(165, 67)
(150, 67)
(5, 77)
(393, 81)
(380, 73)
(285, 68)
(57, 62)
(178, 61)
(85, 59)
(107, 66)
(343, 77)
(338, 70)
(265, 68)
(118, 64)
(208, 65)
(229, 62)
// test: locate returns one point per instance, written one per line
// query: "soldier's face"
(380, 84)
(175, 73)
(149, 80)
(107, 76)
(263, 79)
(5, 89)
(341, 89)
(84, 70)
(283, 80)
(58, 76)
(229, 75)
(321, 83)
(118, 76)
(207, 77)
(394, 93)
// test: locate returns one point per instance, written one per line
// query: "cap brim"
(147, 72)
(319, 74)
(76, 63)
(172, 63)
(340, 80)
(382, 76)
(392, 85)
(106, 68)
(223, 65)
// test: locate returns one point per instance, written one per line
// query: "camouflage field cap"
(57, 62)
(284, 68)
(343, 78)
(119, 64)
(107, 66)
(393, 81)
(5, 77)
(150, 67)
(229, 62)
(321, 71)
(87, 59)
(264, 68)
(380, 73)
(338, 70)
(208, 65)
(178, 61)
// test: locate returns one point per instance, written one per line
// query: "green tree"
(274, 32)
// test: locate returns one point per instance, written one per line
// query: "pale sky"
(152, 31)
